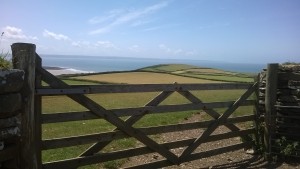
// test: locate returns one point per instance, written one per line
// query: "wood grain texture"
(131, 88)
(23, 56)
(270, 101)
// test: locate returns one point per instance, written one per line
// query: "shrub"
(287, 148)
(5, 63)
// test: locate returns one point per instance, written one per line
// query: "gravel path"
(234, 159)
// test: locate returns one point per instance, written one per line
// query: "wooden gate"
(124, 128)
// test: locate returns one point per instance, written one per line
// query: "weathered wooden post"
(256, 110)
(24, 58)
(38, 112)
(270, 101)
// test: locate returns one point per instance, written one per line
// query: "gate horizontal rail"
(114, 135)
(132, 88)
(88, 115)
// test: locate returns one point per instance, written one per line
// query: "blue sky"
(248, 31)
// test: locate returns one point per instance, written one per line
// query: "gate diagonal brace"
(213, 126)
(130, 121)
(188, 95)
(112, 118)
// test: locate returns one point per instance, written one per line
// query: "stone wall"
(11, 82)
(288, 103)
(286, 118)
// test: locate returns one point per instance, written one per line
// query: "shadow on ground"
(258, 161)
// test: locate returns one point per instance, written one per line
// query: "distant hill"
(200, 72)
(162, 73)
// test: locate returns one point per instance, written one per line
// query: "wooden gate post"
(23, 55)
(270, 101)
(256, 111)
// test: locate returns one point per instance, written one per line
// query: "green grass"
(224, 78)
(76, 82)
(52, 104)
(201, 73)
(5, 63)
(168, 67)
(80, 82)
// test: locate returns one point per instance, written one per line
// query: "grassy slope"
(200, 72)
(168, 67)
(109, 101)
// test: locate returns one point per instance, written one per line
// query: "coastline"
(61, 71)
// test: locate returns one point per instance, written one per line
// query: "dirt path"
(234, 159)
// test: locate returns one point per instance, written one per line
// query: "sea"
(86, 64)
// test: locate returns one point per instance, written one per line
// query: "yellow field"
(142, 78)
(205, 70)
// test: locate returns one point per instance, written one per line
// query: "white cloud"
(11, 32)
(76, 44)
(152, 28)
(105, 44)
(215, 25)
(177, 51)
(139, 23)
(190, 53)
(101, 45)
(134, 48)
(101, 30)
(33, 37)
(110, 15)
(168, 50)
(164, 48)
(55, 36)
(81, 44)
(126, 17)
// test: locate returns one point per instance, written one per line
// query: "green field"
(52, 104)
(201, 73)
(142, 78)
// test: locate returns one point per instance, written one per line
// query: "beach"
(60, 71)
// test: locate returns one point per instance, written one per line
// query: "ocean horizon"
(86, 64)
